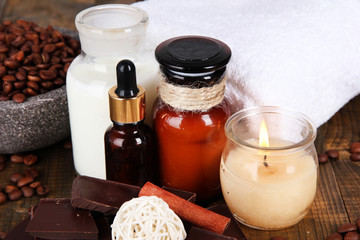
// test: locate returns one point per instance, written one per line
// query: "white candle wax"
(272, 197)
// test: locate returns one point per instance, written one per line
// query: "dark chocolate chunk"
(107, 196)
(190, 196)
(18, 232)
(57, 219)
(196, 233)
(101, 195)
(233, 230)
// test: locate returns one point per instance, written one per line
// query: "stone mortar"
(38, 122)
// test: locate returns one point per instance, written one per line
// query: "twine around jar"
(191, 99)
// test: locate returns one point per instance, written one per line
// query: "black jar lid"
(192, 54)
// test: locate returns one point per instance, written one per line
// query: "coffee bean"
(35, 184)
(323, 158)
(27, 191)
(355, 157)
(34, 78)
(19, 84)
(7, 88)
(33, 85)
(42, 190)
(9, 78)
(68, 144)
(3, 158)
(347, 227)
(46, 84)
(2, 198)
(15, 177)
(358, 223)
(278, 238)
(4, 98)
(352, 236)
(335, 236)
(9, 188)
(32, 172)
(24, 181)
(17, 158)
(12, 64)
(15, 194)
(21, 76)
(333, 154)
(19, 98)
(2, 71)
(49, 48)
(30, 159)
(2, 166)
(47, 74)
(29, 92)
(355, 147)
(2, 235)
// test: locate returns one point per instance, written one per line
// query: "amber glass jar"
(190, 113)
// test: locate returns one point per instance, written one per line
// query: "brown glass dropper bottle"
(130, 149)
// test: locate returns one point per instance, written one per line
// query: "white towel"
(299, 54)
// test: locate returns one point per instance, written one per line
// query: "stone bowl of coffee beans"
(33, 103)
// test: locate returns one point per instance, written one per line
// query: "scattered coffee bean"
(358, 223)
(355, 147)
(15, 177)
(15, 194)
(35, 184)
(278, 238)
(32, 172)
(2, 166)
(355, 157)
(19, 98)
(347, 227)
(30, 159)
(17, 158)
(323, 158)
(9, 188)
(3, 158)
(2, 235)
(27, 191)
(352, 236)
(333, 154)
(2, 198)
(335, 236)
(68, 144)
(42, 190)
(24, 181)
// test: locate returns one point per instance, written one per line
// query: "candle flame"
(263, 135)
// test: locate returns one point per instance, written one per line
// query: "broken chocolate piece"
(101, 195)
(106, 196)
(18, 232)
(196, 233)
(233, 230)
(57, 219)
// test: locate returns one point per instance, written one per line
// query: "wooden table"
(338, 196)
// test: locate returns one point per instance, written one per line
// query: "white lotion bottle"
(108, 33)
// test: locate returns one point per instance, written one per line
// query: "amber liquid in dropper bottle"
(130, 146)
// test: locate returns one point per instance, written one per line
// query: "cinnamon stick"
(186, 210)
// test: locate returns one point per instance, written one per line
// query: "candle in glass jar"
(269, 178)
(270, 197)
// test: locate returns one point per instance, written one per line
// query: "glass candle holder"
(269, 167)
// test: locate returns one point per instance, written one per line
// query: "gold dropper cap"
(127, 110)
(127, 99)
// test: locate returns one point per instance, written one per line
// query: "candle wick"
(265, 163)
